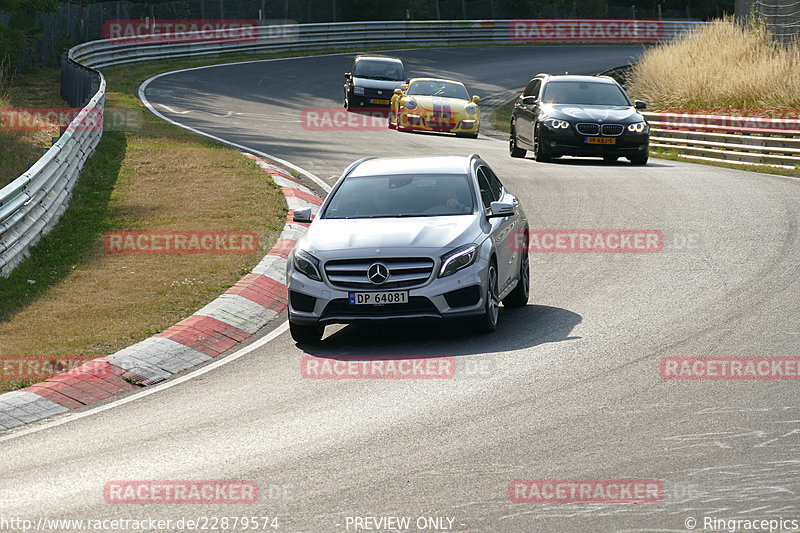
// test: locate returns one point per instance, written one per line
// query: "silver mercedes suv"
(417, 237)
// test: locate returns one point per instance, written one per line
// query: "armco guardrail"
(31, 204)
(360, 34)
(750, 140)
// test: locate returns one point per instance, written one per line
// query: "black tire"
(306, 334)
(540, 153)
(610, 158)
(487, 323)
(639, 159)
(513, 149)
(519, 296)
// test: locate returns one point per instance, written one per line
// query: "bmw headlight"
(410, 104)
(638, 127)
(471, 108)
(358, 90)
(455, 260)
(307, 264)
(557, 124)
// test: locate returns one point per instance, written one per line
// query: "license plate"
(601, 140)
(379, 101)
(378, 298)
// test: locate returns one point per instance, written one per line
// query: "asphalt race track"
(568, 388)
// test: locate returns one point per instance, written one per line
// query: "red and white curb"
(221, 325)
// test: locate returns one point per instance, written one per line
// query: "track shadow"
(596, 162)
(517, 329)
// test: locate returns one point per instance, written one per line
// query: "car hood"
(439, 102)
(377, 84)
(592, 113)
(412, 234)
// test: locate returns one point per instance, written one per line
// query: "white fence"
(749, 140)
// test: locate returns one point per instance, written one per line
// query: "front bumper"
(318, 303)
(367, 101)
(369, 97)
(570, 142)
(427, 121)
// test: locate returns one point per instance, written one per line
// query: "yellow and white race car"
(432, 104)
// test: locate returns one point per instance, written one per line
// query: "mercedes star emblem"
(378, 273)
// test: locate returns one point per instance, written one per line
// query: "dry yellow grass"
(725, 64)
(74, 299)
(23, 148)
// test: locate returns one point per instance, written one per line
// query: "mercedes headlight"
(307, 264)
(638, 127)
(557, 124)
(455, 260)
(410, 104)
(358, 90)
(471, 108)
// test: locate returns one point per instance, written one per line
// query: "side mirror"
(398, 91)
(528, 100)
(347, 75)
(638, 104)
(476, 99)
(302, 215)
(501, 209)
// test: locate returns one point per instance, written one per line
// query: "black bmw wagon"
(579, 116)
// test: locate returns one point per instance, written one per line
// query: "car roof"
(446, 164)
(580, 78)
(385, 59)
(435, 79)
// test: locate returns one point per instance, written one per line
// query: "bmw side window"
(494, 183)
(486, 190)
(531, 89)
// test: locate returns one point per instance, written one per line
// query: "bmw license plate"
(601, 140)
(379, 101)
(378, 298)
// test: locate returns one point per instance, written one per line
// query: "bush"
(724, 64)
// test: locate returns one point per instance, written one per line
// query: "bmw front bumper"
(570, 142)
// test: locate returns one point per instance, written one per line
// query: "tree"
(20, 33)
